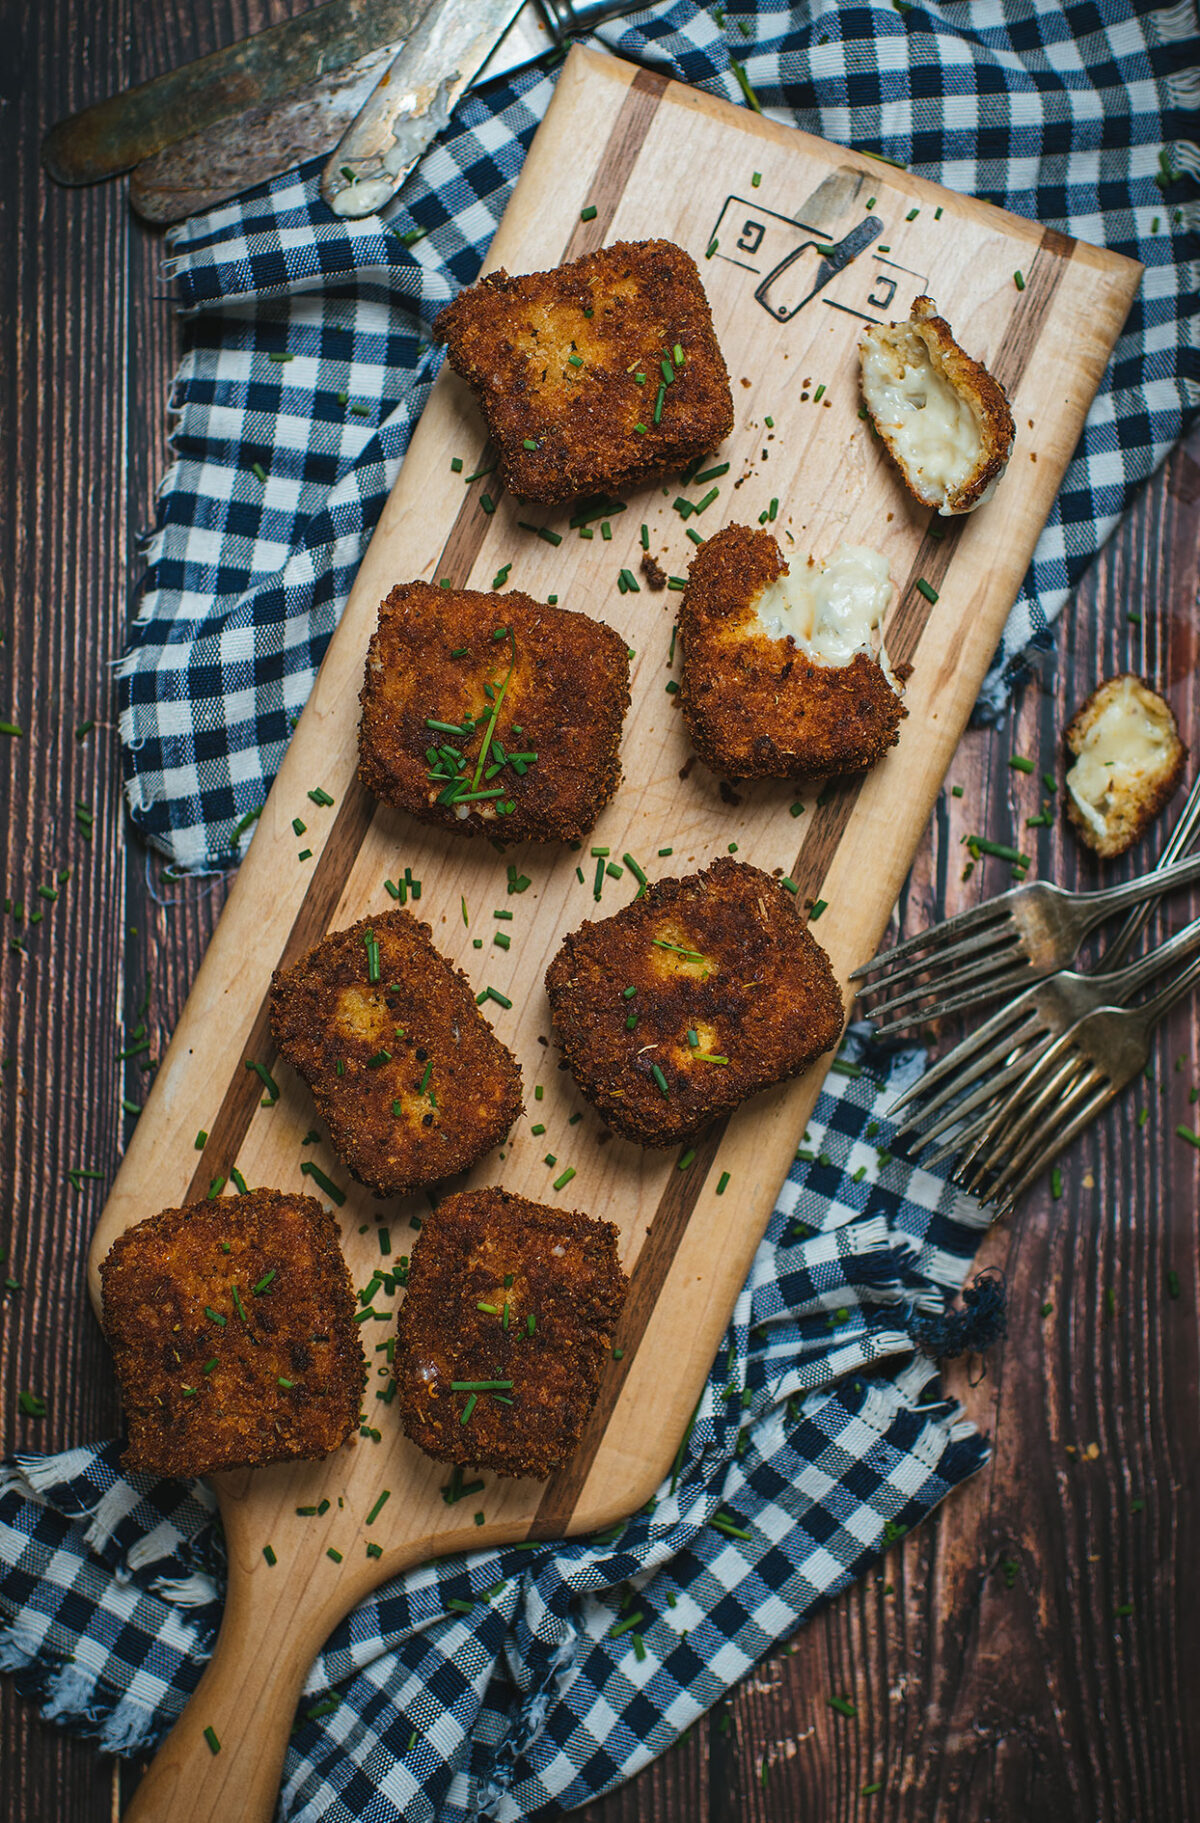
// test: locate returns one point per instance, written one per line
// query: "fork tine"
(1032, 1172)
(1094, 1086)
(951, 1063)
(1019, 1116)
(984, 1094)
(993, 911)
(945, 959)
(1004, 978)
(961, 1079)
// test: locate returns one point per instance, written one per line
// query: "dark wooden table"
(1025, 1655)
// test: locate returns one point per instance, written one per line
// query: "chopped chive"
(843, 1706)
(263, 1282)
(713, 244)
(481, 1386)
(542, 531)
(480, 473)
(744, 84)
(468, 1408)
(1019, 280)
(373, 1515)
(660, 1079)
(819, 906)
(564, 1177)
(215, 1189)
(260, 472)
(588, 214)
(722, 1183)
(926, 589)
(1056, 1183)
(686, 1159)
(268, 1081)
(334, 1556)
(980, 845)
(308, 1169)
(529, 443)
(214, 1745)
(789, 885)
(270, 1556)
(320, 796)
(645, 535)
(501, 576)
(201, 1140)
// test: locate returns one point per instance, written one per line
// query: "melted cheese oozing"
(933, 429)
(832, 609)
(1124, 743)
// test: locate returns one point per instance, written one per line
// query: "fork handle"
(1125, 981)
(1100, 905)
(1156, 1008)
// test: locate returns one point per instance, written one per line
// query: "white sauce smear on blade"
(1124, 743)
(831, 610)
(936, 434)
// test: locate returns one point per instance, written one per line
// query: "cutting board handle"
(247, 1697)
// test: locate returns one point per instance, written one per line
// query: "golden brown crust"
(413, 1040)
(1131, 804)
(568, 695)
(757, 707)
(719, 953)
(511, 339)
(971, 380)
(564, 1271)
(202, 1379)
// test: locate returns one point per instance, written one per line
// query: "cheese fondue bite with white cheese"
(785, 673)
(1128, 759)
(943, 417)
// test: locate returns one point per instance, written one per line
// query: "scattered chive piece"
(263, 1283)
(1056, 1183)
(789, 885)
(373, 1515)
(270, 1556)
(818, 908)
(214, 1745)
(661, 1080)
(280, 1381)
(335, 1556)
(588, 214)
(755, 179)
(564, 1177)
(84, 729)
(308, 1169)
(1172, 1283)
(686, 1158)
(481, 1386)
(796, 809)
(744, 84)
(1017, 764)
(268, 1081)
(722, 1183)
(713, 244)
(259, 471)
(1019, 280)
(528, 443)
(539, 1128)
(215, 1189)
(201, 1140)
(843, 1706)
(456, 465)
(468, 1408)
(320, 796)
(980, 845)
(1193, 1139)
(926, 589)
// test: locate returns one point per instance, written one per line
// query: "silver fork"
(1015, 1037)
(1002, 946)
(1079, 1074)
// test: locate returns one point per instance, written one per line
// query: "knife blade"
(114, 135)
(412, 102)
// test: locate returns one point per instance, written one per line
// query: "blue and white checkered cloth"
(821, 1437)
(1077, 115)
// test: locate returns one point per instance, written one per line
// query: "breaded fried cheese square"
(231, 1323)
(784, 670)
(594, 376)
(696, 995)
(508, 1321)
(407, 1075)
(492, 714)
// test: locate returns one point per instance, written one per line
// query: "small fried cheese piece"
(1128, 759)
(492, 714)
(596, 375)
(729, 993)
(231, 1323)
(407, 1075)
(519, 1302)
(781, 676)
(943, 416)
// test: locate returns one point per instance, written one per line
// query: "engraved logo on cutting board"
(829, 254)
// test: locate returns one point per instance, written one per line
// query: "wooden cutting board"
(649, 158)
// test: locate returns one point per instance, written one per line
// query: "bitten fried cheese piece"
(407, 1075)
(729, 993)
(505, 1329)
(1128, 759)
(943, 416)
(231, 1323)
(784, 671)
(596, 375)
(492, 714)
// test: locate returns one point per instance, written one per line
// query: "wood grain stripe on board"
(932, 563)
(455, 561)
(935, 556)
(647, 1279)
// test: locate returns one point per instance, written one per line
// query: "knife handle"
(568, 17)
